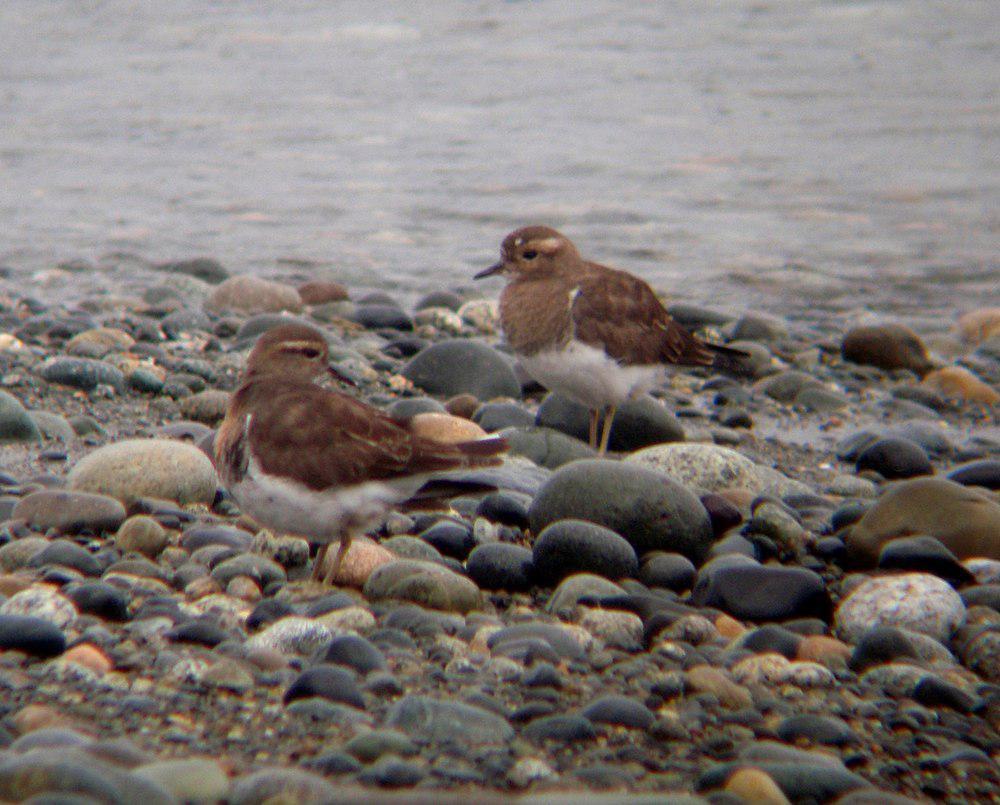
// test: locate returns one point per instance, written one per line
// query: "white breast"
(589, 376)
(319, 516)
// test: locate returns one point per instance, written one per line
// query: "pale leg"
(320, 556)
(609, 415)
(594, 416)
(345, 545)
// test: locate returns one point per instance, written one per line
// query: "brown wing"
(323, 439)
(620, 313)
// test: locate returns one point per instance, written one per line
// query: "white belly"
(292, 508)
(588, 376)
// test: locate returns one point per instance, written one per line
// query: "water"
(800, 157)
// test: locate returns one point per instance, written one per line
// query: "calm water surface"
(801, 157)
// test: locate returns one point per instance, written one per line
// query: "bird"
(307, 460)
(597, 335)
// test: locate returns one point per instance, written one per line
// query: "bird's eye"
(530, 254)
(311, 353)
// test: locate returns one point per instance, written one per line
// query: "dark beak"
(496, 268)
(336, 374)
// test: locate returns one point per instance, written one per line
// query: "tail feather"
(729, 359)
(487, 448)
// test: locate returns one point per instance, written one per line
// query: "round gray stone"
(647, 508)
(462, 366)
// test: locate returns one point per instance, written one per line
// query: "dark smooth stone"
(392, 772)
(880, 645)
(331, 764)
(816, 729)
(333, 682)
(564, 644)
(646, 507)
(672, 571)
(895, 458)
(198, 536)
(749, 591)
(446, 299)
(526, 650)
(564, 729)
(571, 546)
(936, 692)
(83, 373)
(507, 508)
(723, 514)
(923, 554)
(494, 416)
(619, 711)
(405, 346)
(100, 599)
(462, 366)
(542, 675)
(984, 472)
(31, 635)
(984, 595)
(202, 631)
(450, 538)
(637, 423)
(771, 638)
(848, 513)
(203, 268)
(268, 611)
(354, 652)
(328, 603)
(501, 566)
(68, 554)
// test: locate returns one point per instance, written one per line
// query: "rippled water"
(799, 156)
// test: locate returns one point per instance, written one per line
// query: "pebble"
(70, 512)
(251, 295)
(16, 424)
(142, 534)
(194, 780)
(462, 366)
(277, 784)
(334, 682)
(958, 383)
(895, 458)
(966, 521)
(637, 423)
(455, 722)
(501, 566)
(147, 468)
(35, 636)
(887, 346)
(545, 447)
(53, 427)
(750, 591)
(713, 468)
(649, 509)
(355, 652)
(82, 373)
(619, 711)
(423, 583)
(916, 601)
(571, 546)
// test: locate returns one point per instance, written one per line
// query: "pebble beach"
(777, 587)
(780, 585)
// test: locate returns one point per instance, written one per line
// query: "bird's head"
(292, 352)
(533, 251)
